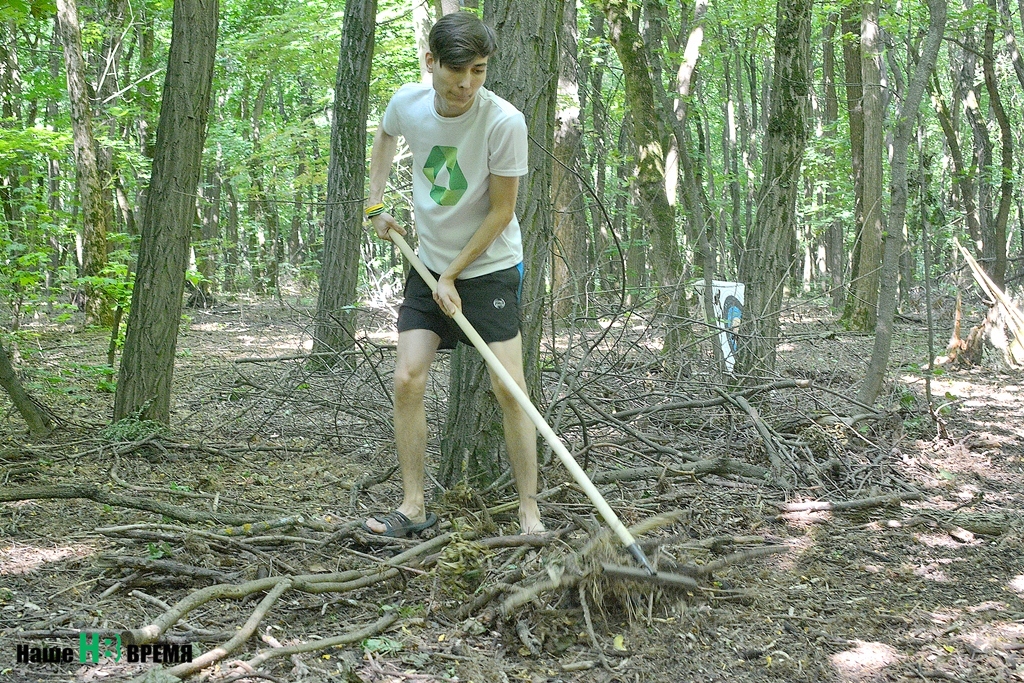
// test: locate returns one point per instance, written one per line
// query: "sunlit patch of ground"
(1004, 638)
(864, 661)
(19, 558)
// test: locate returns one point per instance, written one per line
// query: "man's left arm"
(503, 192)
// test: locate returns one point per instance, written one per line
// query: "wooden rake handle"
(523, 400)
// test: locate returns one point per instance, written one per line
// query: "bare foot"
(529, 521)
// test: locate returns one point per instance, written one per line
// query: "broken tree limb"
(244, 633)
(698, 468)
(733, 558)
(98, 495)
(772, 444)
(712, 402)
(353, 636)
(39, 423)
(150, 633)
(164, 566)
(666, 579)
(859, 504)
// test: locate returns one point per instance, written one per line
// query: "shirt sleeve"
(392, 121)
(507, 148)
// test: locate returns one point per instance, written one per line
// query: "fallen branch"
(859, 504)
(699, 468)
(98, 495)
(165, 566)
(712, 402)
(732, 558)
(307, 583)
(244, 633)
(353, 636)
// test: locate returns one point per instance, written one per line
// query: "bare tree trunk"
(835, 243)
(10, 108)
(963, 177)
(855, 109)
(650, 143)
(905, 128)
(206, 248)
(346, 175)
(768, 255)
(998, 248)
(525, 72)
(147, 366)
(863, 309)
(38, 421)
(568, 274)
(90, 189)
(230, 238)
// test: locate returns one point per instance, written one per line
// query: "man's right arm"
(381, 157)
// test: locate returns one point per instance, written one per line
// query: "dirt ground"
(930, 588)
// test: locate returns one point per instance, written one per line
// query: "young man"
(469, 149)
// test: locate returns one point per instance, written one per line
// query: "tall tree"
(998, 232)
(834, 238)
(768, 254)
(863, 303)
(90, 189)
(850, 25)
(147, 367)
(649, 139)
(570, 225)
(346, 177)
(907, 124)
(525, 72)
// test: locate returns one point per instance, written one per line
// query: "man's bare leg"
(416, 350)
(520, 434)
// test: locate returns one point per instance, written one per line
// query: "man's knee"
(506, 399)
(410, 384)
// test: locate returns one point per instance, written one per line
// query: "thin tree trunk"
(835, 256)
(998, 266)
(863, 309)
(525, 72)
(963, 177)
(768, 255)
(230, 238)
(855, 110)
(206, 249)
(90, 189)
(343, 230)
(905, 128)
(569, 265)
(10, 108)
(147, 366)
(650, 143)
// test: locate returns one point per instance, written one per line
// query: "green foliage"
(132, 429)
(159, 550)
(382, 645)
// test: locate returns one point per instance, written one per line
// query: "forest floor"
(926, 584)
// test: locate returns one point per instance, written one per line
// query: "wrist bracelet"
(374, 210)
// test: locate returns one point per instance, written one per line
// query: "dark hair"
(460, 37)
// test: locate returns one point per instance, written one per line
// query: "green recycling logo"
(442, 162)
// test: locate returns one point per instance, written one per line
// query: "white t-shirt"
(453, 159)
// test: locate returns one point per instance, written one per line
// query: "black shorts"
(490, 302)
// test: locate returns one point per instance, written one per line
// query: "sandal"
(399, 526)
